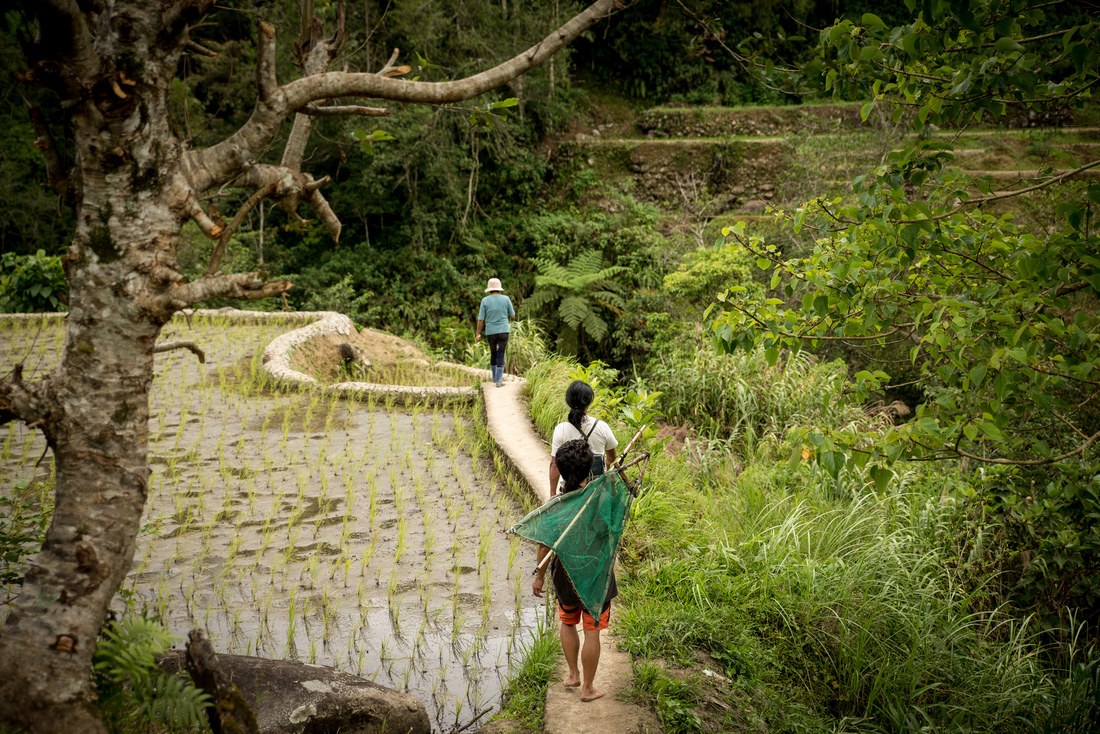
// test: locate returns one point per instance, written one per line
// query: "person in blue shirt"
(492, 321)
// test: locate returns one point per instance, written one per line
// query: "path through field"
(290, 525)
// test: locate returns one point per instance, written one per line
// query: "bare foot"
(592, 695)
(573, 681)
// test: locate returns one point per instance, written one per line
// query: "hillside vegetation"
(849, 278)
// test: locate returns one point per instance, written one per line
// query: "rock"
(754, 205)
(289, 697)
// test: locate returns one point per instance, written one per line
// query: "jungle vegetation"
(874, 505)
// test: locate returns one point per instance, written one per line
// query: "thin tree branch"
(18, 401)
(812, 337)
(1063, 375)
(344, 111)
(198, 49)
(227, 233)
(190, 346)
(265, 69)
(973, 202)
(243, 286)
(58, 176)
(1033, 462)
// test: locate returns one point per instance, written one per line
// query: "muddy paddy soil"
(350, 533)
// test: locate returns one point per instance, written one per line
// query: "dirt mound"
(375, 357)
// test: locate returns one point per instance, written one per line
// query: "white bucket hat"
(494, 285)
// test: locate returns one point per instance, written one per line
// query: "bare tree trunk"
(95, 414)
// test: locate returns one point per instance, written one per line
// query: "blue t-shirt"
(496, 309)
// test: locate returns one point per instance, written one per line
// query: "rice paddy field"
(343, 531)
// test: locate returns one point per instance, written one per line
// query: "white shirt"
(600, 440)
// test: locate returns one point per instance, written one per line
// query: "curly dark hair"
(574, 460)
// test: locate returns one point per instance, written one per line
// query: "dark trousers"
(497, 345)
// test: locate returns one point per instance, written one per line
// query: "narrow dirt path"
(511, 428)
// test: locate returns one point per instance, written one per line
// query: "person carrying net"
(574, 462)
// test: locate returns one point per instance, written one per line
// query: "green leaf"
(831, 461)
(881, 477)
(870, 20)
(1007, 44)
(1079, 52)
(977, 375)
(991, 431)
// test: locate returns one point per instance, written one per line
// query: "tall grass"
(740, 396)
(524, 701)
(527, 346)
(825, 603)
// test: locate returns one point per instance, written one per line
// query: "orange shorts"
(572, 615)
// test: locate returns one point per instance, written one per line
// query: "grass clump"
(524, 701)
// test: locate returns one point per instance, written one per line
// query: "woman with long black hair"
(580, 425)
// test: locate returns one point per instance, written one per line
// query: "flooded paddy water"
(344, 532)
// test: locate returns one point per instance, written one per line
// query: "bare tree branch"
(345, 111)
(198, 49)
(245, 286)
(318, 55)
(208, 226)
(190, 346)
(223, 239)
(1033, 462)
(61, 25)
(223, 161)
(265, 69)
(18, 401)
(291, 187)
(58, 175)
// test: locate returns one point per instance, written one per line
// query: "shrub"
(32, 283)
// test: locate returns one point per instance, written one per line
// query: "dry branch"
(190, 346)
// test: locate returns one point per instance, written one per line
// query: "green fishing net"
(583, 528)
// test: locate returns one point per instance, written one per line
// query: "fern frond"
(126, 657)
(595, 327)
(573, 310)
(542, 297)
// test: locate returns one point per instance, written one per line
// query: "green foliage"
(24, 517)
(698, 51)
(340, 297)
(741, 396)
(829, 600)
(133, 690)
(582, 293)
(706, 272)
(32, 283)
(998, 315)
(673, 699)
(960, 61)
(1051, 518)
(524, 701)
